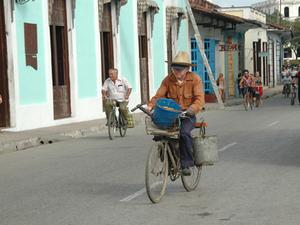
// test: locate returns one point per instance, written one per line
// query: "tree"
(294, 43)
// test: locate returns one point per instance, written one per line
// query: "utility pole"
(279, 11)
(203, 55)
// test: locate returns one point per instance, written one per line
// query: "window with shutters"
(31, 45)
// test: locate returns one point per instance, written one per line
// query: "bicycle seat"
(200, 124)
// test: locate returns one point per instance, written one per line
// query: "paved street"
(94, 180)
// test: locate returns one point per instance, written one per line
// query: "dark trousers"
(299, 90)
(186, 142)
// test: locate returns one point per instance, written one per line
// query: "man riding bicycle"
(186, 89)
(116, 90)
(286, 81)
(247, 83)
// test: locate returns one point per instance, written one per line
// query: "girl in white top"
(221, 85)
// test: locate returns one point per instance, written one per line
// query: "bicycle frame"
(248, 99)
(171, 155)
(163, 160)
(116, 121)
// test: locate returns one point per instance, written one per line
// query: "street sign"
(263, 54)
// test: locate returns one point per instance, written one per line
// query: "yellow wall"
(238, 13)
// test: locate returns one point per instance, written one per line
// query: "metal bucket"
(205, 150)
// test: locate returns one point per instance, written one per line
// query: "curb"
(26, 143)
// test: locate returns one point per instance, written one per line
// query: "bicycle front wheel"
(251, 102)
(122, 125)
(156, 172)
(191, 182)
(246, 104)
(112, 125)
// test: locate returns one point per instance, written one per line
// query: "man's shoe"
(186, 172)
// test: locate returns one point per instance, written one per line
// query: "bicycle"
(293, 94)
(116, 121)
(286, 90)
(164, 160)
(248, 99)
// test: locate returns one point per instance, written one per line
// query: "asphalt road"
(92, 181)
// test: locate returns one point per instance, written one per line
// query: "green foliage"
(273, 18)
(294, 43)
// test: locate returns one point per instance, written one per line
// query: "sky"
(228, 3)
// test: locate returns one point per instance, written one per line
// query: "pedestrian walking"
(221, 85)
(258, 89)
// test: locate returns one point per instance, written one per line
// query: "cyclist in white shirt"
(286, 81)
(116, 90)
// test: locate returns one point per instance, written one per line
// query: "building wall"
(234, 11)
(293, 9)
(33, 101)
(275, 38)
(246, 13)
(159, 53)
(270, 6)
(88, 70)
(32, 83)
(214, 37)
(129, 50)
(251, 36)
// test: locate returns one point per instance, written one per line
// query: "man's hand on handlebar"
(188, 113)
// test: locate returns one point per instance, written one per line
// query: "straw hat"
(181, 59)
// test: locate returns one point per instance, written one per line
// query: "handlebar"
(140, 107)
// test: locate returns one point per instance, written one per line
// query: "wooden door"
(143, 59)
(256, 57)
(265, 70)
(107, 55)
(60, 60)
(4, 107)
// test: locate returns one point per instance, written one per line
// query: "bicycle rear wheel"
(112, 125)
(122, 125)
(293, 99)
(191, 182)
(156, 172)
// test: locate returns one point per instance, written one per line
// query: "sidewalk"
(16, 141)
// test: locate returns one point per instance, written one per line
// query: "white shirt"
(287, 80)
(117, 90)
